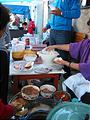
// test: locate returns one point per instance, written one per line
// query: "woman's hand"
(50, 48)
(44, 29)
(68, 64)
(56, 12)
(61, 62)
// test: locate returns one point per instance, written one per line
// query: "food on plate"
(29, 51)
(59, 94)
(22, 112)
(30, 90)
(19, 65)
(58, 58)
(18, 103)
(16, 66)
(28, 65)
(30, 55)
(46, 90)
(22, 65)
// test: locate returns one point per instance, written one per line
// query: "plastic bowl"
(61, 96)
(30, 57)
(30, 92)
(69, 111)
(47, 58)
(17, 55)
(47, 90)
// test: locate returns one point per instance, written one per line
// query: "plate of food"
(22, 66)
(20, 104)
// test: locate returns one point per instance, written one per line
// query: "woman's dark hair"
(24, 23)
(4, 16)
(88, 22)
(30, 19)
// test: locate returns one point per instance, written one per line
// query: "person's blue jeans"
(58, 37)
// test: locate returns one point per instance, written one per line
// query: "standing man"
(60, 24)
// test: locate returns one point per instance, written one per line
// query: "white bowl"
(30, 57)
(30, 96)
(47, 88)
(48, 57)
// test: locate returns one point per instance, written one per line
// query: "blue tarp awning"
(3, 1)
(19, 9)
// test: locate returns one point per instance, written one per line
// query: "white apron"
(78, 84)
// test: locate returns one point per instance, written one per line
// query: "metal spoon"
(61, 98)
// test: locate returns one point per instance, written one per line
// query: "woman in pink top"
(31, 26)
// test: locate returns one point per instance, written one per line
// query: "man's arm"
(70, 13)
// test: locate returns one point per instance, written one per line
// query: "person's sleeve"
(85, 69)
(75, 50)
(9, 111)
(6, 111)
(8, 37)
(74, 12)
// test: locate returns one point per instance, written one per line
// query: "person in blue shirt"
(61, 22)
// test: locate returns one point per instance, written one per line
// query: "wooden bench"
(79, 36)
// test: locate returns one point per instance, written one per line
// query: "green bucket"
(69, 111)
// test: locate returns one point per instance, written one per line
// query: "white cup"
(52, 7)
(37, 41)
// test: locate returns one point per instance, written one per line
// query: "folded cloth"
(78, 84)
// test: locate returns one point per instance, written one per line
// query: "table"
(32, 75)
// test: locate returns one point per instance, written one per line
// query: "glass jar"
(18, 51)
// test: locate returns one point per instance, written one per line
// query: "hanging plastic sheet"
(19, 9)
